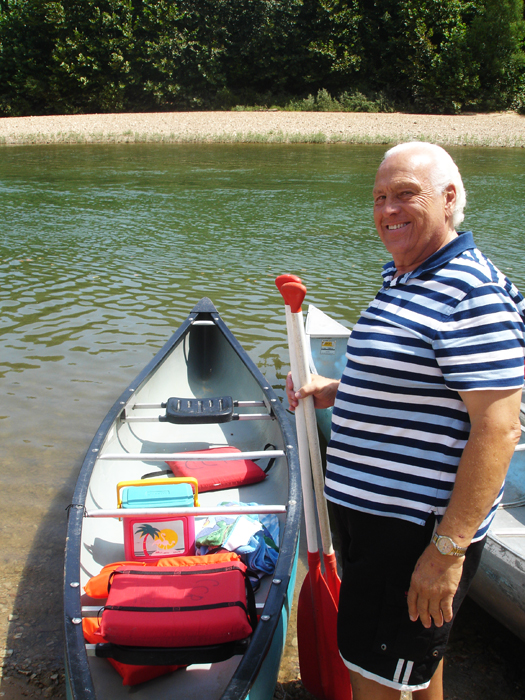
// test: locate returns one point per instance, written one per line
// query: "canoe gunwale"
(77, 665)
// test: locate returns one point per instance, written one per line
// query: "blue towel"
(255, 538)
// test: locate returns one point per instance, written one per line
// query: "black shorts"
(375, 635)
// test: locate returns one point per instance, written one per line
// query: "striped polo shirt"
(399, 426)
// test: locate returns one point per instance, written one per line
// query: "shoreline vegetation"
(496, 129)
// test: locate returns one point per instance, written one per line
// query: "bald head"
(413, 217)
(440, 168)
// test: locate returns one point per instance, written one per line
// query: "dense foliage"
(67, 56)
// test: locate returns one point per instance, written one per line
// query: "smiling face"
(412, 220)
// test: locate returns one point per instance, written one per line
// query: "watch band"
(446, 545)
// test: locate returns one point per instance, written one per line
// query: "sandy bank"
(500, 129)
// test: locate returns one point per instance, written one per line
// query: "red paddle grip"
(283, 279)
(293, 295)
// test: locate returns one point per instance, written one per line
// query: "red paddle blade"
(323, 672)
(283, 279)
(310, 662)
(293, 294)
(331, 576)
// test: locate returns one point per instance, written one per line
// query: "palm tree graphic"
(147, 530)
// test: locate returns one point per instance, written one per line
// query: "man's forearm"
(482, 469)
(495, 430)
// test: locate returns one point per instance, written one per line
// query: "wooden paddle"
(322, 670)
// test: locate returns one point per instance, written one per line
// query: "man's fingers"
(412, 604)
(446, 609)
(435, 613)
(290, 393)
(423, 610)
(429, 610)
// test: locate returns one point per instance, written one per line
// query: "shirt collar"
(464, 241)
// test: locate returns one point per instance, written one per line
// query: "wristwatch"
(446, 545)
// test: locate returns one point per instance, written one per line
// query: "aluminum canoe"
(202, 359)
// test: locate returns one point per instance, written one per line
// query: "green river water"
(105, 249)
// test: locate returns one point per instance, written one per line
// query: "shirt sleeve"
(480, 345)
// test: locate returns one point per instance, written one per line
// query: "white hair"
(443, 173)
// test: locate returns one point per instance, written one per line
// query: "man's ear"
(450, 199)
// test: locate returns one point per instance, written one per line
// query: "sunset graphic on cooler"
(162, 541)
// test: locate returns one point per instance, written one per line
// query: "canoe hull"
(327, 340)
(499, 585)
(201, 359)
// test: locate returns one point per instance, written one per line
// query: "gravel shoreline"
(498, 129)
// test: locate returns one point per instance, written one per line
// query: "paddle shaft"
(304, 377)
(304, 456)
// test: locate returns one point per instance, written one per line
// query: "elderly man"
(425, 421)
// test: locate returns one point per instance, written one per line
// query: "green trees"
(427, 55)
(66, 56)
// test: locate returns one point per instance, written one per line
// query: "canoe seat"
(162, 656)
(218, 409)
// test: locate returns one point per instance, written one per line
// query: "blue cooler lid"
(161, 496)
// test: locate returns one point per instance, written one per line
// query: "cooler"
(148, 538)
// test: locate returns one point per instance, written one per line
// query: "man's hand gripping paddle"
(322, 671)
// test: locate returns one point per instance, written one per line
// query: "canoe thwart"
(214, 510)
(181, 411)
(161, 656)
(188, 456)
(235, 416)
(241, 404)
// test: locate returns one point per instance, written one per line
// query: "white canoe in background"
(201, 360)
(327, 340)
(499, 585)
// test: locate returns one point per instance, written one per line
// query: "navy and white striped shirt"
(399, 426)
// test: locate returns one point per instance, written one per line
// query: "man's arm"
(495, 431)
(321, 388)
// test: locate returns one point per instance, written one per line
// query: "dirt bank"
(500, 129)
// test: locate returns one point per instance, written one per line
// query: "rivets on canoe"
(265, 618)
(74, 584)
(289, 447)
(277, 581)
(95, 450)
(76, 620)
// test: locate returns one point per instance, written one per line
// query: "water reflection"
(105, 250)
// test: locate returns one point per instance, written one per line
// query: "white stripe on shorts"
(399, 669)
(408, 671)
(384, 681)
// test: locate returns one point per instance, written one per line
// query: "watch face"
(445, 545)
